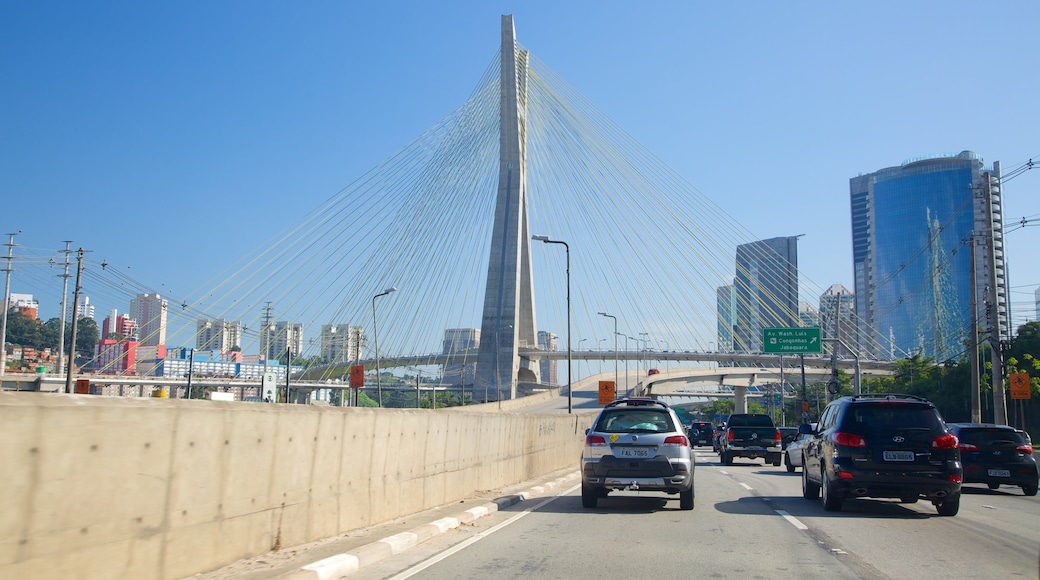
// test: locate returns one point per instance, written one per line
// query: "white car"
(793, 454)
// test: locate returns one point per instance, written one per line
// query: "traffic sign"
(795, 340)
(1020, 386)
(606, 392)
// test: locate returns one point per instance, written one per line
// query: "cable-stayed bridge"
(448, 219)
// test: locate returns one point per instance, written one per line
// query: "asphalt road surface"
(749, 521)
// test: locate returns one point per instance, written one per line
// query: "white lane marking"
(746, 486)
(793, 520)
(469, 542)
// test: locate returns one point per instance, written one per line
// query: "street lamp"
(570, 377)
(375, 340)
(627, 337)
(644, 348)
(616, 385)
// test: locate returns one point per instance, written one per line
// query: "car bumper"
(1017, 475)
(890, 485)
(651, 475)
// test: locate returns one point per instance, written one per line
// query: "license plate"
(999, 473)
(632, 452)
(899, 456)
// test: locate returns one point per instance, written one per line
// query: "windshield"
(627, 420)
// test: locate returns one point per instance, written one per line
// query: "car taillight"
(1024, 448)
(595, 440)
(948, 441)
(777, 436)
(729, 435)
(967, 447)
(677, 440)
(848, 439)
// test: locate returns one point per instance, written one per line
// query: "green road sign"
(791, 340)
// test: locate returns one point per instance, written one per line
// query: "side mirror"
(587, 431)
(806, 428)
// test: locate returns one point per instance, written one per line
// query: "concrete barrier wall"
(98, 487)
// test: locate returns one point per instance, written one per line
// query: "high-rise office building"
(340, 343)
(547, 368)
(149, 310)
(917, 231)
(726, 315)
(462, 343)
(838, 303)
(218, 334)
(766, 288)
(808, 314)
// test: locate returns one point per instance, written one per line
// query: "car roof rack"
(888, 397)
(636, 402)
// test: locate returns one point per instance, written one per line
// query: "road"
(749, 521)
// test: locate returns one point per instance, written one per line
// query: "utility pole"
(973, 352)
(265, 338)
(75, 317)
(7, 302)
(64, 296)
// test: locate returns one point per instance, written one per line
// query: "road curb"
(347, 563)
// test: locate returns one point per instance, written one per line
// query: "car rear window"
(625, 420)
(889, 418)
(750, 421)
(988, 437)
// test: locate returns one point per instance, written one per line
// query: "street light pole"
(375, 341)
(627, 337)
(616, 385)
(570, 376)
(644, 348)
(7, 303)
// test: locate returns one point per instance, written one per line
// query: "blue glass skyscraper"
(913, 231)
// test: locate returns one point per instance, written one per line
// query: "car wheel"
(776, 460)
(787, 462)
(686, 499)
(727, 458)
(993, 485)
(1029, 490)
(588, 495)
(949, 505)
(831, 497)
(810, 490)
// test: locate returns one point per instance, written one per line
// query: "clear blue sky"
(169, 138)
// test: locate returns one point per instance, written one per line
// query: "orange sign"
(1019, 386)
(357, 376)
(82, 386)
(606, 392)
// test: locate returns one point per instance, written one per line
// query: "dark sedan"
(997, 455)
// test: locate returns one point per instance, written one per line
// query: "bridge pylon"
(508, 322)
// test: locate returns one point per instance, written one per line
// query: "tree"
(22, 330)
(50, 333)
(86, 336)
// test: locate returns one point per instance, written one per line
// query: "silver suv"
(637, 444)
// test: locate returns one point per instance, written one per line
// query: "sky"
(167, 139)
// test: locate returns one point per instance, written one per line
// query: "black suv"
(884, 445)
(701, 433)
(997, 455)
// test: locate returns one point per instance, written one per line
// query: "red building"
(115, 357)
